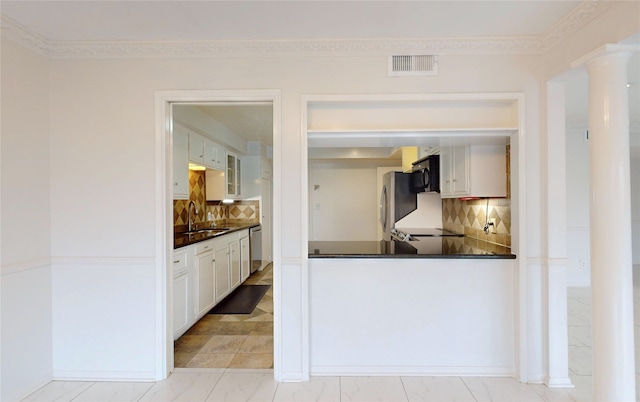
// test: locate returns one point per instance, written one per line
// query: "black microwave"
(425, 175)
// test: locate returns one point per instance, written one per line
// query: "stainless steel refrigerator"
(396, 200)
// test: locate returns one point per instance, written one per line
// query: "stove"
(412, 233)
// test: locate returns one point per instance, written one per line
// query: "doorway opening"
(239, 127)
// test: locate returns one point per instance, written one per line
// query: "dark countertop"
(186, 239)
(425, 247)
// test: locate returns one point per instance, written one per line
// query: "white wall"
(102, 166)
(25, 278)
(577, 165)
(344, 206)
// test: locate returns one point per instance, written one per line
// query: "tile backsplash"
(469, 216)
(240, 212)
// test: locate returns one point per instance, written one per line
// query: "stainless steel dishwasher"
(256, 247)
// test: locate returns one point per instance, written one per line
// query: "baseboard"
(84, 375)
(563, 382)
(537, 378)
(413, 371)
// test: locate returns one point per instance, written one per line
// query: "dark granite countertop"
(425, 247)
(186, 239)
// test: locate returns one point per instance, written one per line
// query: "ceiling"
(269, 20)
(130, 21)
(252, 121)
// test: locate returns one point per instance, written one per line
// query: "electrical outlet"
(493, 228)
(583, 264)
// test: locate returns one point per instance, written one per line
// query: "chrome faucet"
(189, 214)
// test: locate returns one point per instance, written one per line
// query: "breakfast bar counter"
(425, 247)
(422, 312)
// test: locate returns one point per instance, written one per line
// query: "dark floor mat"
(243, 300)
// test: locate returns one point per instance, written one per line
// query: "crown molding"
(580, 16)
(577, 18)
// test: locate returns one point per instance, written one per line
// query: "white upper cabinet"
(234, 174)
(180, 165)
(473, 171)
(196, 148)
(205, 152)
(213, 155)
(225, 184)
(454, 171)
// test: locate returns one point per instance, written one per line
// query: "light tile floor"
(197, 384)
(258, 385)
(579, 321)
(232, 340)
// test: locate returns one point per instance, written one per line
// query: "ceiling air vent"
(422, 64)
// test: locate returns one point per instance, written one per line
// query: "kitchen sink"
(213, 231)
(207, 231)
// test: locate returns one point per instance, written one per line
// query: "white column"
(610, 218)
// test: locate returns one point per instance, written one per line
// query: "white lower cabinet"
(245, 257)
(234, 248)
(183, 313)
(204, 274)
(205, 278)
(223, 277)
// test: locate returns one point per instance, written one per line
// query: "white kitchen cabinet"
(205, 276)
(214, 155)
(234, 174)
(180, 165)
(180, 304)
(222, 268)
(234, 250)
(196, 148)
(454, 171)
(204, 152)
(245, 257)
(224, 184)
(473, 171)
(183, 312)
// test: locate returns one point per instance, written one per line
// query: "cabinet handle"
(206, 247)
(175, 184)
(176, 261)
